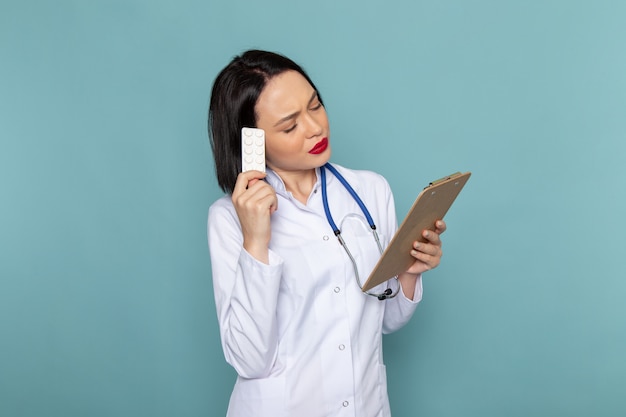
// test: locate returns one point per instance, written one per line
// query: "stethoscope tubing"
(388, 293)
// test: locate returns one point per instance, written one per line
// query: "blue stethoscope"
(388, 293)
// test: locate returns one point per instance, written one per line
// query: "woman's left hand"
(428, 255)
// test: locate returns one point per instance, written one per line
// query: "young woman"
(304, 338)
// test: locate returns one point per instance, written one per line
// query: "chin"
(326, 155)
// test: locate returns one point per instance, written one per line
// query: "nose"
(314, 127)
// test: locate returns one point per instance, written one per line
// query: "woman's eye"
(290, 129)
(317, 106)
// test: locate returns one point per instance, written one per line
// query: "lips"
(319, 147)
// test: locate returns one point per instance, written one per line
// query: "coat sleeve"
(400, 309)
(246, 293)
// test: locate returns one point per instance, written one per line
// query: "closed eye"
(317, 106)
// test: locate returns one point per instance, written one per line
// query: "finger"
(256, 205)
(261, 204)
(258, 197)
(245, 178)
(255, 185)
(266, 196)
(427, 249)
(428, 261)
(440, 226)
(432, 237)
(427, 252)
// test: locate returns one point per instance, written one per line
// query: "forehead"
(284, 92)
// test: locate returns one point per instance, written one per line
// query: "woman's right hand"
(255, 201)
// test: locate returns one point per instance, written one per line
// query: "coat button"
(337, 289)
(342, 347)
(345, 404)
(326, 237)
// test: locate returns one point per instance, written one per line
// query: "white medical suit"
(304, 339)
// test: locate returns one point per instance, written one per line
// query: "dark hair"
(233, 99)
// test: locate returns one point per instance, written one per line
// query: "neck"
(299, 183)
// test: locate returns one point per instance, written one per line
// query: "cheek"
(277, 151)
(323, 120)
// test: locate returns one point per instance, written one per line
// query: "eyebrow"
(294, 114)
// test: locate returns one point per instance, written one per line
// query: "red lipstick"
(319, 147)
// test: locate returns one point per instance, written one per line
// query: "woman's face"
(295, 124)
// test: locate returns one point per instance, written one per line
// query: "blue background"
(106, 175)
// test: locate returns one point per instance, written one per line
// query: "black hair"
(233, 99)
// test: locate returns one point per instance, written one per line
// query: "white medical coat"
(304, 339)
